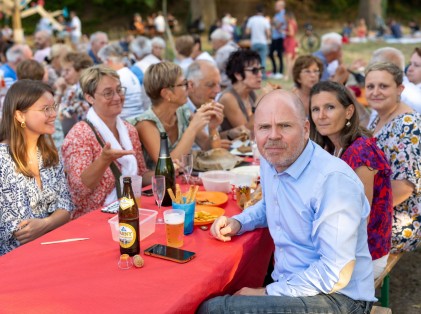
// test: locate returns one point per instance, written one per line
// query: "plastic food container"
(217, 180)
(146, 224)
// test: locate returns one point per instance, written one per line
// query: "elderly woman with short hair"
(97, 151)
(306, 72)
(69, 95)
(167, 88)
(396, 127)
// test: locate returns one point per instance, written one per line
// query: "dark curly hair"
(238, 61)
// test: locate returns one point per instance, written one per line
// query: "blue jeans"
(322, 303)
(262, 50)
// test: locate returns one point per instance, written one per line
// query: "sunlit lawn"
(351, 52)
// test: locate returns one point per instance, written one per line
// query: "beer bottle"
(165, 167)
(128, 220)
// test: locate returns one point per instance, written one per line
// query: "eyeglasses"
(185, 84)
(109, 94)
(255, 70)
(48, 110)
(315, 72)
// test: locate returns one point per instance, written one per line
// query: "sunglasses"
(255, 70)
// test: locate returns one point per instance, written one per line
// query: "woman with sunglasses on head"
(98, 151)
(168, 90)
(246, 74)
(34, 196)
(396, 126)
(334, 125)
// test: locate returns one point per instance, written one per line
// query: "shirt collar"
(298, 167)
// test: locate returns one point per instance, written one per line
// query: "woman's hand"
(31, 229)
(109, 155)
(199, 120)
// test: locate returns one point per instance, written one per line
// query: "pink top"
(79, 150)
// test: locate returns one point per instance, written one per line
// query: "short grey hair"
(15, 53)
(389, 67)
(220, 34)
(195, 70)
(112, 52)
(94, 36)
(331, 42)
(141, 46)
(389, 54)
(90, 78)
(158, 41)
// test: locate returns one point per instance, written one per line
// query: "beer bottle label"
(126, 203)
(127, 235)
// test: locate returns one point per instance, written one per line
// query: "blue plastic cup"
(189, 216)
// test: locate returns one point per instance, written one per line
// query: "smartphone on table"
(170, 253)
(148, 192)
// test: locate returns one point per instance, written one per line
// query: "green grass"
(356, 51)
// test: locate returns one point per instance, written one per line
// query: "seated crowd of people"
(69, 125)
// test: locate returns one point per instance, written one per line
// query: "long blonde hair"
(22, 95)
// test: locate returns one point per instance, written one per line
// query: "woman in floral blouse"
(397, 130)
(335, 126)
(34, 197)
(87, 161)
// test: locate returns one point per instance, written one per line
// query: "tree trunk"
(368, 9)
(206, 9)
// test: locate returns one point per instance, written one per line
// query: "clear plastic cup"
(125, 262)
(174, 227)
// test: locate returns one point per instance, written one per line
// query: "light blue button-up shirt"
(279, 18)
(316, 212)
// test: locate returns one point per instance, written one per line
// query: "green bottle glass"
(165, 167)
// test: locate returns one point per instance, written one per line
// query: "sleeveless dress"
(183, 119)
(226, 125)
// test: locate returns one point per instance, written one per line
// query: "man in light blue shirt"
(316, 210)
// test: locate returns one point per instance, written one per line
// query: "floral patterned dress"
(21, 198)
(400, 141)
(364, 152)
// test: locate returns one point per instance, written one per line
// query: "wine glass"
(158, 188)
(187, 163)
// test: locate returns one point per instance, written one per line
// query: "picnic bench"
(380, 310)
(383, 280)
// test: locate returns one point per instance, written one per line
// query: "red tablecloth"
(83, 277)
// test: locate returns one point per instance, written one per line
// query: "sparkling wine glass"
(187, 163)
(158, 188)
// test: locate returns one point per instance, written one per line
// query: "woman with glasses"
(335, 125)
(69, 95)
(167, 88)
(34, 196)
(246, 74)
(306, 72)
(98, 151)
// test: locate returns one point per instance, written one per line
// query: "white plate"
(237, 143)
(248, 170)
